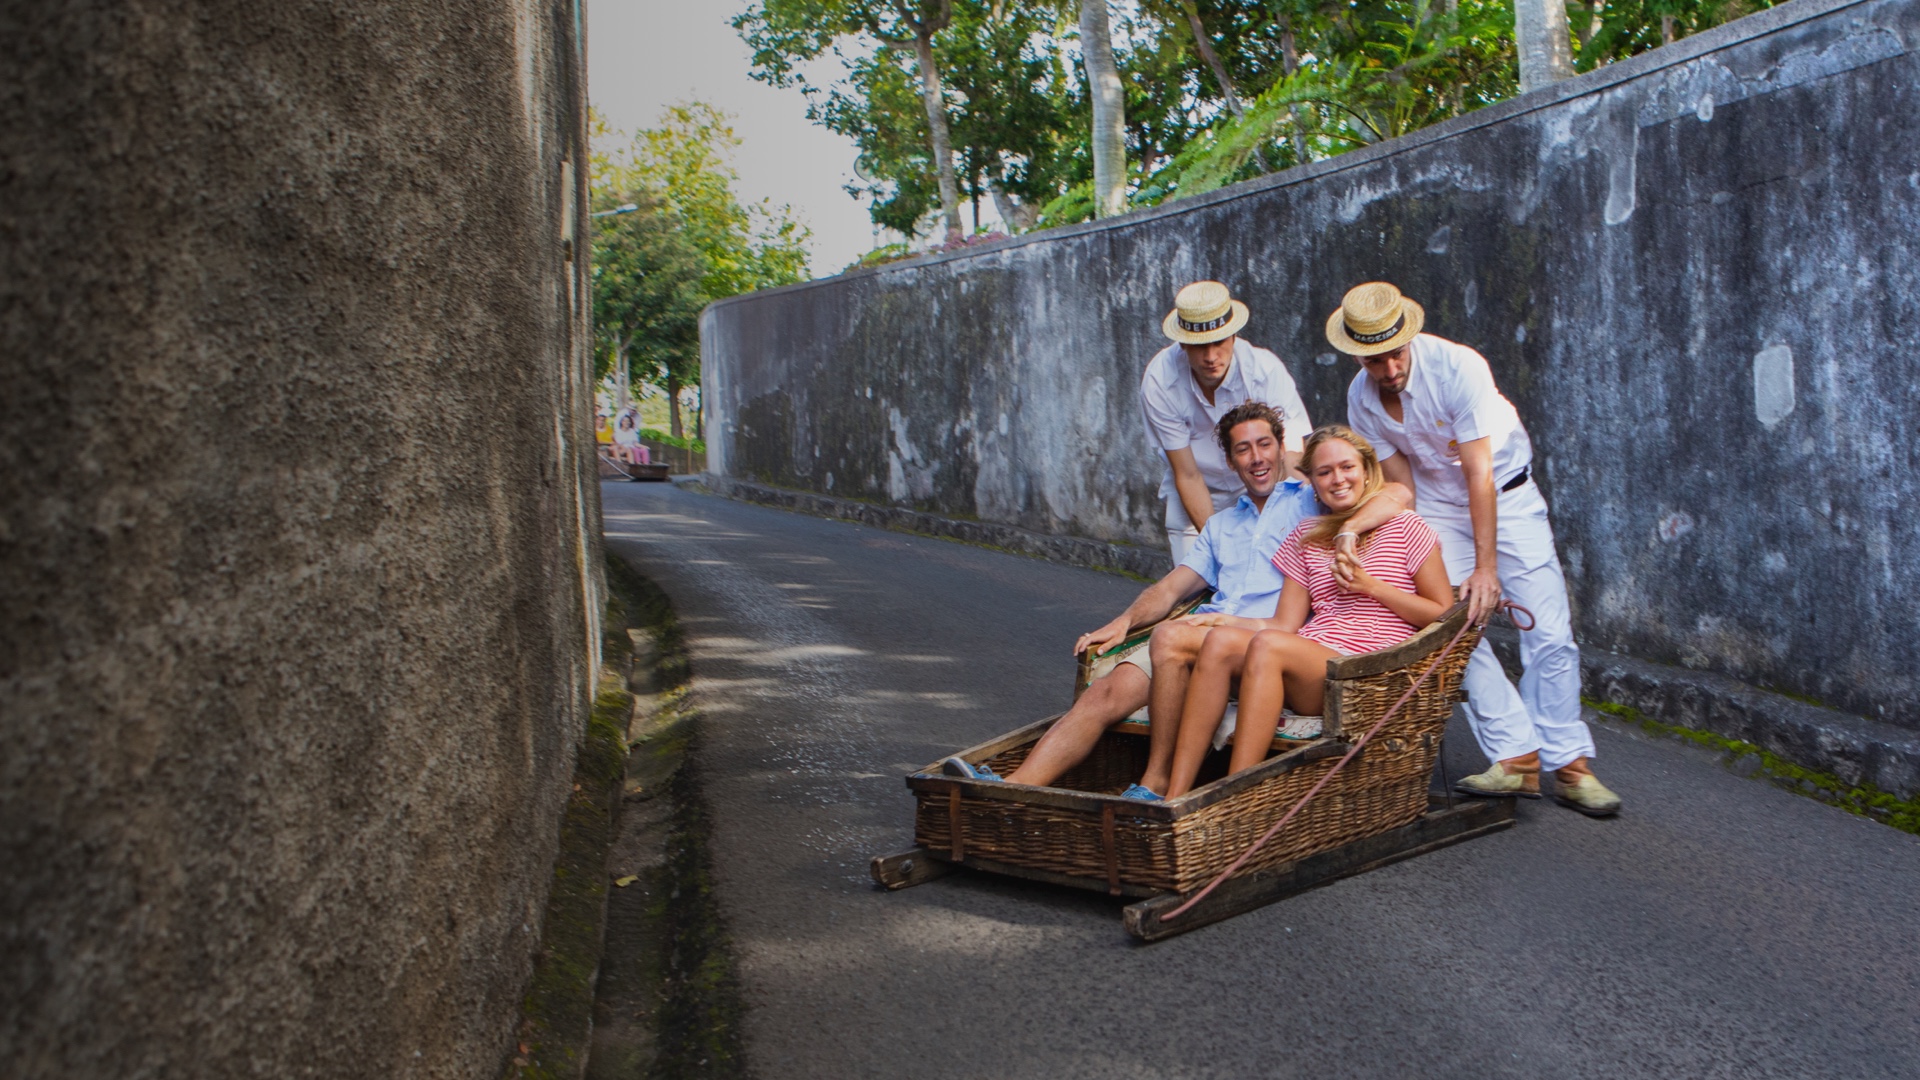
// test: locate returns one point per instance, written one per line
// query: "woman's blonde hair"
(1326, 527)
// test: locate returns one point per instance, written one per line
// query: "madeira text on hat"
(1204, 312)
(1373, 319)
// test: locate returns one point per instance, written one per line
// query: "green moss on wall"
(1862, 799)
(679, 951)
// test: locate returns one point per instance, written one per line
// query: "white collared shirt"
(1179, 416)
(1450, 399)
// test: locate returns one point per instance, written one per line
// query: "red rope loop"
(1506, 607)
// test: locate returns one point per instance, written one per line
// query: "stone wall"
(298, 530)
(1694, 272)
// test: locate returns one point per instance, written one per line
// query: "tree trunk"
(973, 189)
(1667, 36)
(673, 403)
(936, 105)
(1109, 110)
(1290, 63)
(1455, 92)
(1213, 60)
(1017, 218)
(1540, 31)
(1594, 22)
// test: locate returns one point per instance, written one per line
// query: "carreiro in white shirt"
(1179, 416)
(1450, 399)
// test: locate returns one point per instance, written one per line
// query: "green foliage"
(1073, 204)
(1014, 104)
(1609, 31)
(881, 255)
(783, 33)
(649, 284)
(698, 446)
(689, 243)
(685, 161)
(1389, 68)
(1864, 800)
(1314, 78)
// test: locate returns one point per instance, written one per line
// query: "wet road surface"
(1719, 928)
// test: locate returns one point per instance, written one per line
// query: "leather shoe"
(1586, 794)
(1500, 782)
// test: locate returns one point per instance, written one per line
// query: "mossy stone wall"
(1697, 273)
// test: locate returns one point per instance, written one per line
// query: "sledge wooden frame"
(1083, 834)
(610, 468)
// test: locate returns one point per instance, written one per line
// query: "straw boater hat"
(1204, 312)
(1373, 319)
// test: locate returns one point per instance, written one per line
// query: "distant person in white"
(1442, 427)
(1189, 386)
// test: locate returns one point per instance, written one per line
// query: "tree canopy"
(1215, 90)
(688, 242)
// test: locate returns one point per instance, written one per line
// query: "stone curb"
(1071, 550)
(1856, 750)
(1853, 749)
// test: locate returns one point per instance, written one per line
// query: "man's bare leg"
(1175, 647)
(1112, 698)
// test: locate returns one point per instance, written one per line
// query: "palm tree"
(922, 21)
(1540, 33)
(1109, 110)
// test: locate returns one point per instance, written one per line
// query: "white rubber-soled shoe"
(1587, 795)
(1302, 728)
(1498, 783)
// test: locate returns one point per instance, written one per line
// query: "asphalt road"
(1719, 928)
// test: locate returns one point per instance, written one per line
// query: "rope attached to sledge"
(1507, 607)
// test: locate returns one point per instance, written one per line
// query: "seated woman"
(626, 438)
(1336, 602)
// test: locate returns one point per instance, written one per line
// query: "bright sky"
(643, 55)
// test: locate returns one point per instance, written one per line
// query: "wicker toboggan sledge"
(1375, 810)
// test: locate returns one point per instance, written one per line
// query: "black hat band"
(1374, 339)
(1210, 324)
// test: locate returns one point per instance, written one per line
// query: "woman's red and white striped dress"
(1349, 621)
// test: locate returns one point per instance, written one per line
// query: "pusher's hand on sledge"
(1482, 593)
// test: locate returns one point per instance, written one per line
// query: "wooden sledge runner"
(1376, 810)
(609, 468)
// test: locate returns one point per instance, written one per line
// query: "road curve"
(1719, 928)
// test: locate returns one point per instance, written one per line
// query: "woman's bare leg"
(1206, 704)
(1280, 668)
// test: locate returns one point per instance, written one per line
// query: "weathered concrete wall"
(1694, 272)
(296, 587)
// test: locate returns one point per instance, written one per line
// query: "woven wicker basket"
(1082, 833)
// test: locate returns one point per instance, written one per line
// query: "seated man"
(1395, 582)
(1234, 557)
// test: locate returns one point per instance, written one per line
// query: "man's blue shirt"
(1235, 550)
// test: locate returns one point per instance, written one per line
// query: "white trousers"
(1544, 712)
(1181, 531)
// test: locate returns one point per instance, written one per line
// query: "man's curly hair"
(1240, 414)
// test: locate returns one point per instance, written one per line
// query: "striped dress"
(1352, 622)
